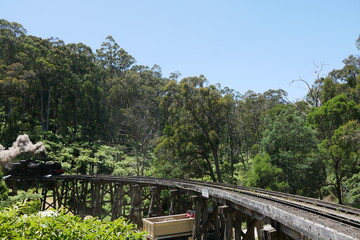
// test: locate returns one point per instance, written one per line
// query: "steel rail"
(287, 196)
(314, 201)
(286, 199)
(234, 193)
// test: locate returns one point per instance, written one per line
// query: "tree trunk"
(217, 164)
(232, 158)
(211, 171)
(338, 179)
(75, 116)
(48, 111)
(338, 189)
(42, 110)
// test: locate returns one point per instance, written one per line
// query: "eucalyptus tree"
(9, 32)
(334, 113)
(113, 58)
(195, 127)
(337, 121)
(15, 79)
(291, 145)
(250, 108)
(142, 116)
(84, 92)
(342, 154)
(14, 87)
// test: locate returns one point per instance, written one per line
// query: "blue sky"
(244, 45)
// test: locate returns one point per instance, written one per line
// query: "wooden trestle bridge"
(226, 210)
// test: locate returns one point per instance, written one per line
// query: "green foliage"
(336, 121)
(342, 155)
(113, 58)
(3, 188)
(334, 113)
(197, 123)
(84, 158)
(248, 120)
(15, 225)
(291, 144)
(29, 202)
(352, 191)
(265, 175)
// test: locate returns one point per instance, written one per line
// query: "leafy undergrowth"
(14, 224)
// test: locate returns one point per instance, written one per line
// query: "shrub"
(16, 225)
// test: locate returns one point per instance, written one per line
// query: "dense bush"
(3, 188)
(16, 225)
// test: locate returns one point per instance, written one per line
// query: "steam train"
(28, 167)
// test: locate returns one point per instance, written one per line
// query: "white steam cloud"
(22, 144)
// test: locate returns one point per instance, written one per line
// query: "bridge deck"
(296, 216)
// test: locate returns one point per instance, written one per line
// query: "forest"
(97, 111)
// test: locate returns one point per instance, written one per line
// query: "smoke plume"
(21, 145)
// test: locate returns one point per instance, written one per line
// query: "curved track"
(311, 217)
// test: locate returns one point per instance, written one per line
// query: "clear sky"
(241, 44)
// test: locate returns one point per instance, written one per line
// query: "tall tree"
(330, 120)
(334, 113)
(250, 108)
(142, 117)
(9, 32)
(196, 125)
(114, 58)
(342, 153)
(291, 145)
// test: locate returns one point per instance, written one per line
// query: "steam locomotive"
(28, 167)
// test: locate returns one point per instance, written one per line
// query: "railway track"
(340, 214)
(346, 219)
(337, 212)
(304, 203)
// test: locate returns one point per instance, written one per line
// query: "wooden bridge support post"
(227, 222)
(204, 218)
(201, 220)
(196, 225)
(66, 194)
(57, 198)
(11, 184)
(135, 211)
(79, 191)
(63, 193)
(251, 225)
(237, 225)
(174, 201)
(72, 196)
(44, 197)
(97, 199)
(53, 188)
(117, 201)
(217, 221)
(270, 233)
(78, 197)
(44, 193)
(259, 225)
(49, 190)
(154, 207)
(273, 232)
